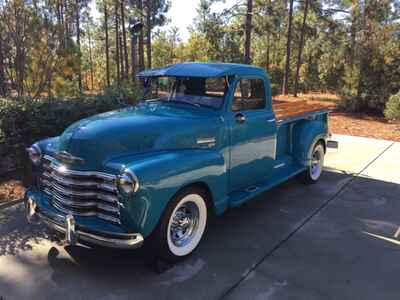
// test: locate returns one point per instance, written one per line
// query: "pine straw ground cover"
(11, 189)
(341, 122)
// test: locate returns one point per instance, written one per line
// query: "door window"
(249, 95)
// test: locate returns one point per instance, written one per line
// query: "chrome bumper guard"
(76, 234)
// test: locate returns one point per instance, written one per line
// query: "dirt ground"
(340, 122)
(11, 188)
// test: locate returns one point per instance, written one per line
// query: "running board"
(239, 197)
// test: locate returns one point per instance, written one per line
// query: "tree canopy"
(56, 47)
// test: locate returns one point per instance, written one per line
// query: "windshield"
(196, 91)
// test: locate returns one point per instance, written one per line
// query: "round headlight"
(127, 184)
(35, 154)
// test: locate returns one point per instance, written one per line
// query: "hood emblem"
(67, 158)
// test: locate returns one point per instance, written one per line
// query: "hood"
(145, 128)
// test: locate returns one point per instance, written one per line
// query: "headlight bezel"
(35, 154)
(127, 183)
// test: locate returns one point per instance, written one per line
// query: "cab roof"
(200, 69)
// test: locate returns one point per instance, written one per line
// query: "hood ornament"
(68, 158)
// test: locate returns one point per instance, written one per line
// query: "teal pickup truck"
(205, 137)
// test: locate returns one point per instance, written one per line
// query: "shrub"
(275, 89)
(392, 109)
(350, 100)
(25, 121)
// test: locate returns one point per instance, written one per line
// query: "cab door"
(252, 134)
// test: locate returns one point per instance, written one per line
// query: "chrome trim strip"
(99, 175)
(86, 204)
(60, 207)
(75, 204)
(67, 192)
(81, 183)
(201, 141)
(279, 166)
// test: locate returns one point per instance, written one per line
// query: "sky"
(181, 13)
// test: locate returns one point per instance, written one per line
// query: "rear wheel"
(182, 225)
(315, 165)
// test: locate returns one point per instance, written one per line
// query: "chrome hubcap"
(316, 163)
(184, 224)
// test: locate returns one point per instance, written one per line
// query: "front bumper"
(79, 234)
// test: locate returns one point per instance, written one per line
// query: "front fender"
(163, 174)
(306, 134)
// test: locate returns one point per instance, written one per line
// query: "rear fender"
(306, 134)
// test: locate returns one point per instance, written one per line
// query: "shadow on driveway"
(236, 245)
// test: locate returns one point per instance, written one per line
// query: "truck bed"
(285, 111)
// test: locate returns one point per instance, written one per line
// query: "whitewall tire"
(182, 225)
(315, 164)
(187, 224)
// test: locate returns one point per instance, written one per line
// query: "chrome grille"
(82, 193)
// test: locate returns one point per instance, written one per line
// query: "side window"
(249, 94)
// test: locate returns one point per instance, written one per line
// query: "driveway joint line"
(10, 203)
(300, 226)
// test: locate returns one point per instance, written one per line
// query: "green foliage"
(392, 109)
(126, 94)
(275, 89)
(276, 76)
(24, 121)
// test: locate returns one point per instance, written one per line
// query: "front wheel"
(182, 225)
(315, 165)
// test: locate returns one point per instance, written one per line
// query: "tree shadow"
(17, 235)
(231, 245)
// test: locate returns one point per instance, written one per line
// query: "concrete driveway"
(338, 239)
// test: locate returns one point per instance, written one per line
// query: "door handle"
(271, 120)
(240, 118)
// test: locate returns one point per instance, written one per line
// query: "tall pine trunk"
(107, 45)
(141, 37)
(133, 57)
(149, 27)
(117, 44)
(248, 28)
(268, 62)
(78, 42)
(2, 70)
(353, 29)
(363, 64)
(20, 52)
(298, 65)
(60, 24)
(125, 46)
(91, 61)
(288, 48)
(268, 49)
(121, 55)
